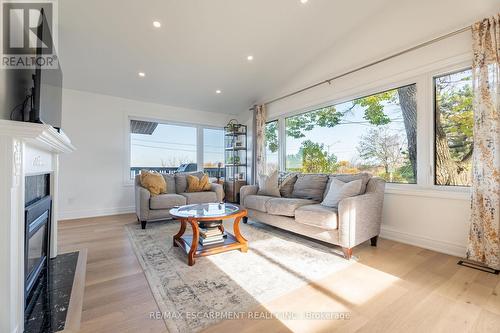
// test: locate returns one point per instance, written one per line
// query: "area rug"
(192, 298)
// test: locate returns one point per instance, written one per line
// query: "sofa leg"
(143, 224)
(347, 252)
(245, 219)
(373, 241)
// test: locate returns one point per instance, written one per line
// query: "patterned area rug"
(193, 298)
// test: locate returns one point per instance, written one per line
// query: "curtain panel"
(260, 140)
(484, 235)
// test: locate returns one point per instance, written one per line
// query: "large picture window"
(170, 148)
(377, 133)
(272, 146)
(453, 128)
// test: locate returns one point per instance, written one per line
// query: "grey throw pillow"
(170, 180)
(340, 190)
(310, 186)
(268, 185)
(287, 185)
(346, 178)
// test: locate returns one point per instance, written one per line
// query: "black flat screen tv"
(46, 101)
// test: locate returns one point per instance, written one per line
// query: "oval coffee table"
(211, 213)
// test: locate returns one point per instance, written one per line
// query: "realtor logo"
(28, 34)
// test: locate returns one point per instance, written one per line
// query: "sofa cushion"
(200, 197)
(286, 206)
(181, 181)
(317, 216)
(257, 202)
(170, 180)
(310, 186)
(166, 201)
(346, 178)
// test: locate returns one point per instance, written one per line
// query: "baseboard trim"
(81, 214)
(450, 248)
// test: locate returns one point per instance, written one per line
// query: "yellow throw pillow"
(153, 182)
(196, 184)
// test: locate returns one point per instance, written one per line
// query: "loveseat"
(157, 207)
(355, 220)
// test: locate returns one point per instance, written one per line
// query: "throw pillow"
(286, 187)
(181, 180)
(340, 190)
(268, 185)
(310, 186)
(153, 182)
(195, 184)
(346, 178)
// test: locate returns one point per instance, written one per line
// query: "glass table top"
(214, 210)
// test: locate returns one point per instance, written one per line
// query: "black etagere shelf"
(235, 157)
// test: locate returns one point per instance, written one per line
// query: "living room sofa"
(356, 220)
(157, 207)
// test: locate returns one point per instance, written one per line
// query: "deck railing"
(134, 171)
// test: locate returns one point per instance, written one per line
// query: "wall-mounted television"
(46, 99)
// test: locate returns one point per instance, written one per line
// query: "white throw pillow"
(340, 190)
(268, 185)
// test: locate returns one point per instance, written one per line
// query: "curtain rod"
(329, 81)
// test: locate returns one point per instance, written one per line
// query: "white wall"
(423, 215)
(93, 179)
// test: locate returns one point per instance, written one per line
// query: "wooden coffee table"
(200, 213)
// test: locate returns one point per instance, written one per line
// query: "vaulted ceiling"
(202, 46)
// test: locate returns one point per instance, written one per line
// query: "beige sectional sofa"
(150, 208)
(356, 220)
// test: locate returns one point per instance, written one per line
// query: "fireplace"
(37, 226)
(27, 150)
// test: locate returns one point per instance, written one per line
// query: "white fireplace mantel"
(25, 149)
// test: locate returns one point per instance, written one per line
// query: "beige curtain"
(484, 235)
(260, 138)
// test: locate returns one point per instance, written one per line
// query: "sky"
(171, 145)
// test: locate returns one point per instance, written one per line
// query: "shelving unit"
(235, 146)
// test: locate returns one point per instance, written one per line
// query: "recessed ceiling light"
(157, 24)
(142, 74)
(218, 91)
(303, 1)
(250, 58)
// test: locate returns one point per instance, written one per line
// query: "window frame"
(423, 77)
(434, 141)
(127, 181)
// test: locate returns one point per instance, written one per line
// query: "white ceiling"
(201, 47)
(203, 44)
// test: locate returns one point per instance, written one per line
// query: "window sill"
(454, 193)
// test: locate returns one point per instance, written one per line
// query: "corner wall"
(92, 180)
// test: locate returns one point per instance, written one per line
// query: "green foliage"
(271, 133)
(374, 107)
(454, 100)
(315, 159)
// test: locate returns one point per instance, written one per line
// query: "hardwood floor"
(392, 288)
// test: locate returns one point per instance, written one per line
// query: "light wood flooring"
(392, 288)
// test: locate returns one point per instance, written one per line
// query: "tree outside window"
(453, 129)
